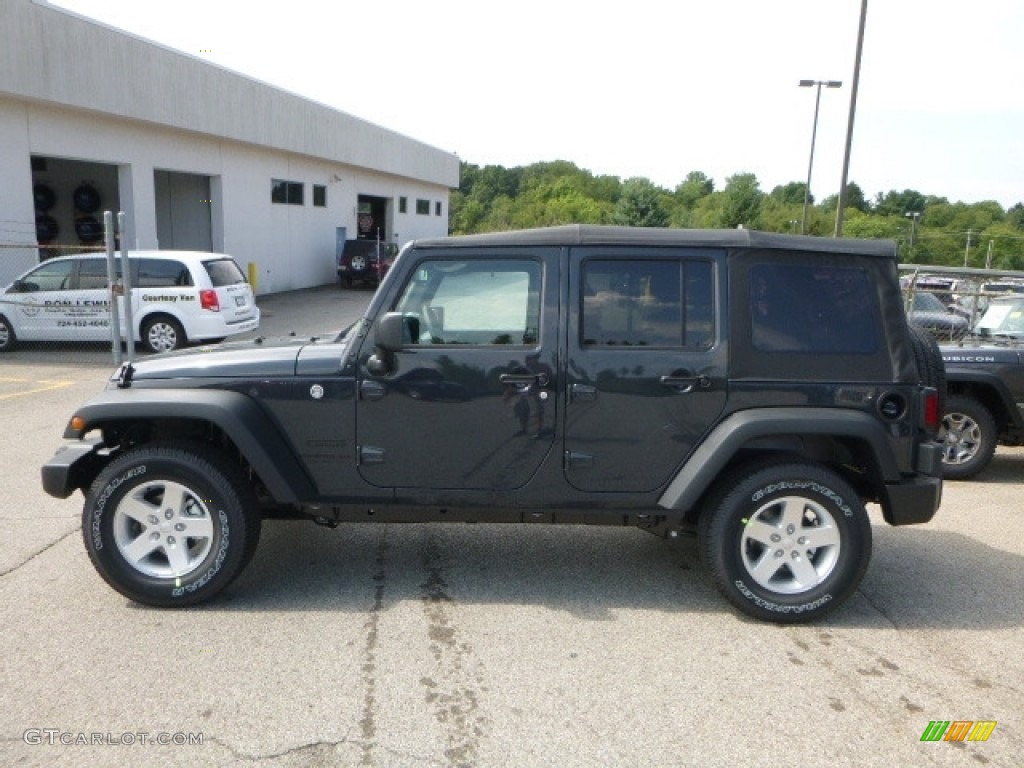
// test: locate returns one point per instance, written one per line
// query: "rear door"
(471, 400)
(647, 368)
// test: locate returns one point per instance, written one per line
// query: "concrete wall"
(292, 246)
(50, 54)
(74, 89)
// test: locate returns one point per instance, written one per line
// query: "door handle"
(523, 379)
(684, 384)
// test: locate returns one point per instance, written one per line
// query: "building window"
(403, 204)
(288, 192)
(319, 196)
(437, 208)
(423, 207)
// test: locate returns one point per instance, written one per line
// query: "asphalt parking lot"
(479, 645)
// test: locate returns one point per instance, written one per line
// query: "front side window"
(485, 302)
(811, 308)
(52, 276)
(647, 303)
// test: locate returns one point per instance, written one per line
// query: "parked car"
(365, 261)
(985, 381)
(178, 297)
(752, 389)
(927, 311)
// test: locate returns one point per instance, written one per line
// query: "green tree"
(640, 205)
(895, 203)
(740, 202)
(793, 193)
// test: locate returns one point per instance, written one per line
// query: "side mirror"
(390, 332)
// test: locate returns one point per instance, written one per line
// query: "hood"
(260, 358)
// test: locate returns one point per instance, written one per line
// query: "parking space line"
(50, 388)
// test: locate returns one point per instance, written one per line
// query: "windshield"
(1003, 318)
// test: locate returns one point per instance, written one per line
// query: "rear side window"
(810, 308)
(647, 303)
(162, 273)
(223, 272)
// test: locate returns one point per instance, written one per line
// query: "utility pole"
(841, 207)
(967, 250)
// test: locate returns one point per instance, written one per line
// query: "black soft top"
(592, 234)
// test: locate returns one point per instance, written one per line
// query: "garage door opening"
(70, 197)
(183, 211)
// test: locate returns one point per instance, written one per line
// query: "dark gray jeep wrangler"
(757, 390)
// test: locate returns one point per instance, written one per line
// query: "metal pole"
(115, 322)
(810, 164)
(126, 270)
(841, 208)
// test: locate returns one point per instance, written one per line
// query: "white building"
(198, 157)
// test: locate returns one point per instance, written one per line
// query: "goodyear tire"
(785, 541)
(170, 524)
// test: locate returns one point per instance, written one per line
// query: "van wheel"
(786, 542)
(170, 524)
(162, 334)
(7, 337)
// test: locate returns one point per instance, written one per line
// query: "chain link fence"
(952, 302)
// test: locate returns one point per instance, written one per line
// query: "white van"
(178, 297)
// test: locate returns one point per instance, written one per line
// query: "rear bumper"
(915, 501)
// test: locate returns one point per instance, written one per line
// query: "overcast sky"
(653, 88)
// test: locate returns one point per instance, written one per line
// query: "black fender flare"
(240, 417)
(991, 382)
(719, 447)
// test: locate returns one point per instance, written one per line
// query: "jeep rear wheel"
(786, 542)
(968, 437)
(171, 524)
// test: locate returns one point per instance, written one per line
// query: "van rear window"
(223, 272)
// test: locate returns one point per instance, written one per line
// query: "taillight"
(208, 300)
(932, 417)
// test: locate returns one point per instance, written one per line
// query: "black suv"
(754, 389)
(985, 376)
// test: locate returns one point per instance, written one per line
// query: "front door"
(646, 374)
(471, 400)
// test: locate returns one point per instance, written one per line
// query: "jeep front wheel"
(787, 542)
(968, 437)
(171, 524)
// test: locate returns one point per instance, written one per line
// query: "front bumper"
(73, 466)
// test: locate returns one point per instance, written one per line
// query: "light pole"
(814, 135)
(913, 216)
